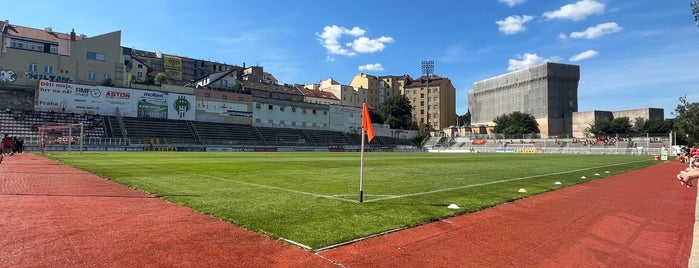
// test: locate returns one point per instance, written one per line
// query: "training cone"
(522, 190)
(453, 206)
(596, 174)
(557, 183)
(607, 172)
(583, 177)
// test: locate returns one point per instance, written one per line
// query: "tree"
(620, 125)
(643, 126)
(376, 117)
(686, 122)
(604, 126)
(397, 112)
(516, 123)
(465, 119)
(160, 78)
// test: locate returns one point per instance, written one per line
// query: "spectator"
(7, 145)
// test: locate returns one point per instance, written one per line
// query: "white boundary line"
(493, 182)
(336, 197)
(246, 183)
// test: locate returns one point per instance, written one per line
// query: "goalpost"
(61, 137)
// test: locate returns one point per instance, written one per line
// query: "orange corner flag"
(366, 123)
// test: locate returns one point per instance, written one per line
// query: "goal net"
(61, 137)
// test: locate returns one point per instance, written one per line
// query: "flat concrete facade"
(548, 91)
(583, 120)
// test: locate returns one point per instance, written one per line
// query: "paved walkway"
(52, 215)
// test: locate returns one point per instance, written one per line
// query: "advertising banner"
(151, 104)
(73, 98)
(113, 98)
(64, 97)
(181, 106)
(172, 62)
(223, 112)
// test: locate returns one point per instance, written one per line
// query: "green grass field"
(312, 198)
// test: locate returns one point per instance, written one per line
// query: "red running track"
(52, 215)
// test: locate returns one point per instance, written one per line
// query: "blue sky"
(632, 54)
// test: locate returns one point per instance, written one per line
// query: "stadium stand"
(25, 124)
(282, 136)
(143, 130)
(222, 133)
(327, 137)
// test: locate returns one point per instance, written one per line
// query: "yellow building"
(28, 55)
(434, 102)
(379, 88)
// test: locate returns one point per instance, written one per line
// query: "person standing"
(7, 145)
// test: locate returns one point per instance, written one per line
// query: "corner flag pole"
(361, 171)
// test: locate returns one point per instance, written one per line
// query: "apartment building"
(434, 102)
(28, 55)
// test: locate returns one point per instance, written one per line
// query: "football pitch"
(312, 199)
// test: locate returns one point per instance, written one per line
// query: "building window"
(96, 56)
(106, 76)
(270, 107)
(281, 122)
(91, 76)
(48, 69)
(139, 74)
(53, 49)
(33, 67)
(258, 120)
(270, 121)
(281, 108)
(257, 105)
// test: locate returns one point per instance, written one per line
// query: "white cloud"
(527, 60)
(330, 39)
(377, 67)
(366, 45)
(562, 36)
(512, 2)
(597, 31)
(513, 24)
(331, 34)
(577, 11)
(584, 55)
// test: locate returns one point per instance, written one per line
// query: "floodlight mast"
(428, 70)
(695, 10)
